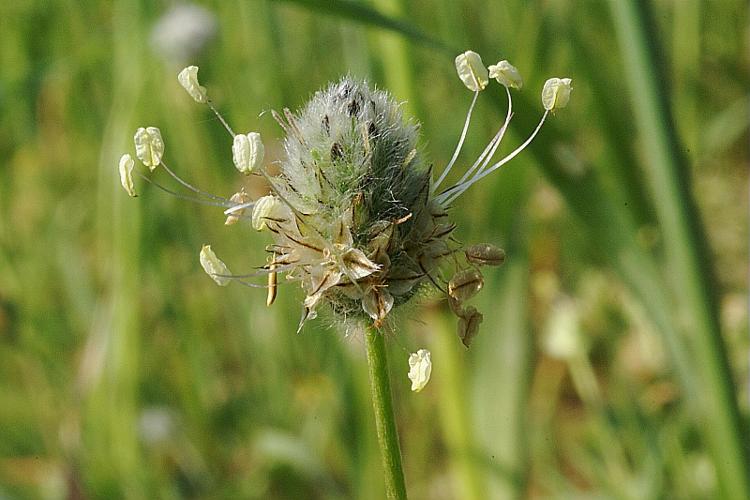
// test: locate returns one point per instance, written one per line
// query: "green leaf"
(363, 14)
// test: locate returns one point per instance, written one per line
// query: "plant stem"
(380, 387)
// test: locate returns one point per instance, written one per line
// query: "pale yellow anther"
(420, 369)
(188, 78)
(126, 174)
(214, 267)
(149, 146)
(471, 71)
(264, 209)
(506, 74)
(247, 152)
(556, 93)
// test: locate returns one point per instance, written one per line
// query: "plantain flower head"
(354, 216)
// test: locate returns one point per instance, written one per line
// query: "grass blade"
(363, 14)
(685, 245)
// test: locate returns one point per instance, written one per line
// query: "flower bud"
(506, 74)
(264, 208)
(556, 93)
(238, 199)
(485, 254)
(126, 174)
(465, 284)
(471, 71)
(420, 369)
(247, 152)
(188, 78)
(149, 147)
(214, 267)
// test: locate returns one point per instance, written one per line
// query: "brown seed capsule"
(465, 284)
(485, 254)
(468, 325)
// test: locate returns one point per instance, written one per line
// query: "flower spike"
(353, 213)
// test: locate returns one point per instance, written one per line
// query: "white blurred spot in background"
(183, 32)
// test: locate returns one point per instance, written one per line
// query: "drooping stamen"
(221, 118)
(195, 199)
(238, 208)
(447, 198)
(486, 157)
(195, 189)
(245, 283)
(459, 146)
(264, 271)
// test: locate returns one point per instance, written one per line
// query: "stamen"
(479, 176)
(488, 153)
(495, 143)
(182, 196)
(238, 208)
(460, 144)
(260, 272)
(249, 285)
(221, 118)
(460, 186)
(193, 188)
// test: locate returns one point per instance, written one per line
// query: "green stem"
(380, 387)
(685, 246)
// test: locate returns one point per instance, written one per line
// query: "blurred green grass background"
(613, 358)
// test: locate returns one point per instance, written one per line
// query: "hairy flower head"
(360, 229)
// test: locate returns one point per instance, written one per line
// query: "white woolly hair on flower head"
(363, 232)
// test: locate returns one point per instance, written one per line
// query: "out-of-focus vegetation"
(613, 359)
